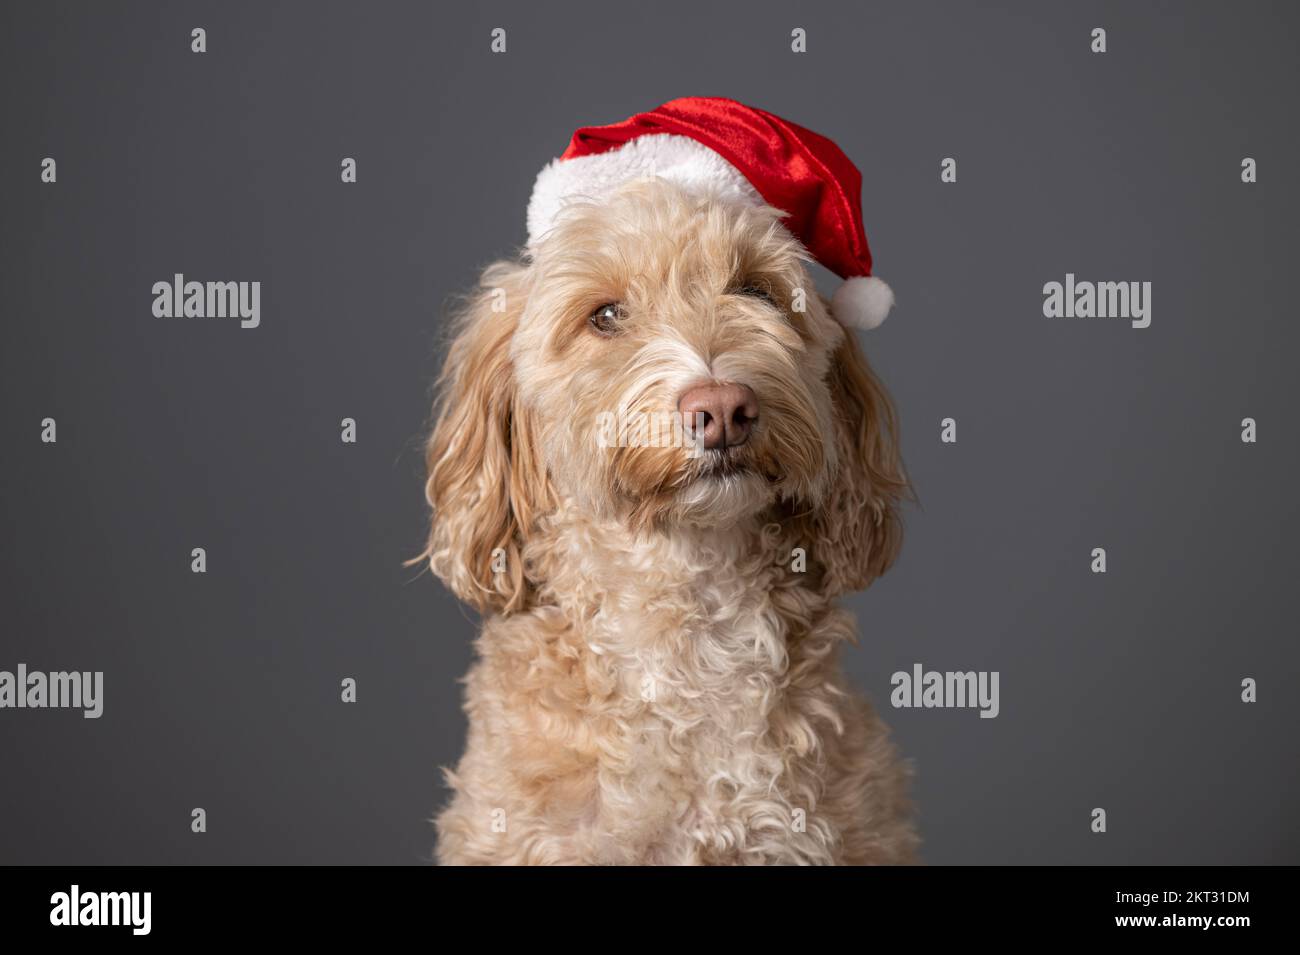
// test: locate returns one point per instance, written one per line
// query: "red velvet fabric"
(793, 169)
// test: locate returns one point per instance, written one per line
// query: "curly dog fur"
(657, 678)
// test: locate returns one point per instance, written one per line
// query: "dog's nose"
(729, 411)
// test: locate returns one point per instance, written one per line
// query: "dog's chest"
(703, 669)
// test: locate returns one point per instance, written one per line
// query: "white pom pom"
(862, 302)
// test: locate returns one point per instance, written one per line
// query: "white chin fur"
(722, 502)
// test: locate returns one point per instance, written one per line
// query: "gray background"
(222, 691)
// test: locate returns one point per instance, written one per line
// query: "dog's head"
(659, 359)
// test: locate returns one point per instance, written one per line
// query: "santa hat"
(723, 148)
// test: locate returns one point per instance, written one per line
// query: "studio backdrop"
(1086, 212)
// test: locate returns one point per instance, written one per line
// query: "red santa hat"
(723, 148)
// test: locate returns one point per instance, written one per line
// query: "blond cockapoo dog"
(657, 677)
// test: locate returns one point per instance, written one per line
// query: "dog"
(657, 676)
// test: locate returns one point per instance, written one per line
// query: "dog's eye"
(757, 291)
(606, 318)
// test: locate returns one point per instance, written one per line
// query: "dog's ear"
(857, 531)
(486, 479)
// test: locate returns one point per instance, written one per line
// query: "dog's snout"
(729, 411)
